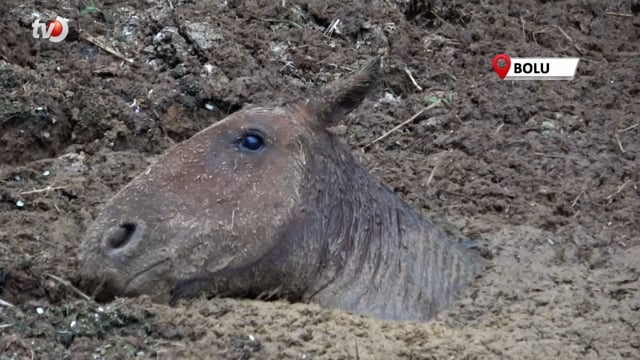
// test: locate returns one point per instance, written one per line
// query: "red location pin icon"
(501, 71)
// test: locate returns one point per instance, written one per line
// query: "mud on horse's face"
(217, 211)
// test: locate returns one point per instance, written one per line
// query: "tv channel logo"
(54, 30)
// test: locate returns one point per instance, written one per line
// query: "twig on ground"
(499, 128)
(629, 128)
(70, 286)
(233, 217)
(524, 34)
(170, 4)
(618, 14)
(563, 33)
(406, 70)
(533, 35)
(433, 172)
(618, 190)
(575, 201)
(619, 142)
(404, 122)
(5, 303)
(4, 326)
(580, 50)
(550, 155)
(443, 20)
(333, 27)
(44, 190)
(97, 42)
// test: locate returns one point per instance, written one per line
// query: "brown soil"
(545, 175)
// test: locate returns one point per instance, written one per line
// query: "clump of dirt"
(544, 175)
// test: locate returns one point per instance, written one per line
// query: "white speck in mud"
(252, 338)
(46, 173)
(73, 323)
(209, 68)
(40, 311)
(390, 98)
(134, 105)
(100, 309)
(209, 107)
(19, 203)
(17, 178)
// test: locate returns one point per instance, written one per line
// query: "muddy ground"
(545, 175)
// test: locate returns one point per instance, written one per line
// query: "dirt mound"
(545, 175)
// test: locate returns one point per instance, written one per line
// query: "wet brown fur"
(300, 220)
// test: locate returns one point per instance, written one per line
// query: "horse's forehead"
(280, 119)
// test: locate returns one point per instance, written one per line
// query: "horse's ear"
(341, 97)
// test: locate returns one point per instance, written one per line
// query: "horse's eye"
(251, 142)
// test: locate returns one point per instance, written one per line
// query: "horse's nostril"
(121, 236)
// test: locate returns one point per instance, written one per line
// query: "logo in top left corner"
(54, 30)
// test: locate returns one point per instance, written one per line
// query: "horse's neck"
(382, 258)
